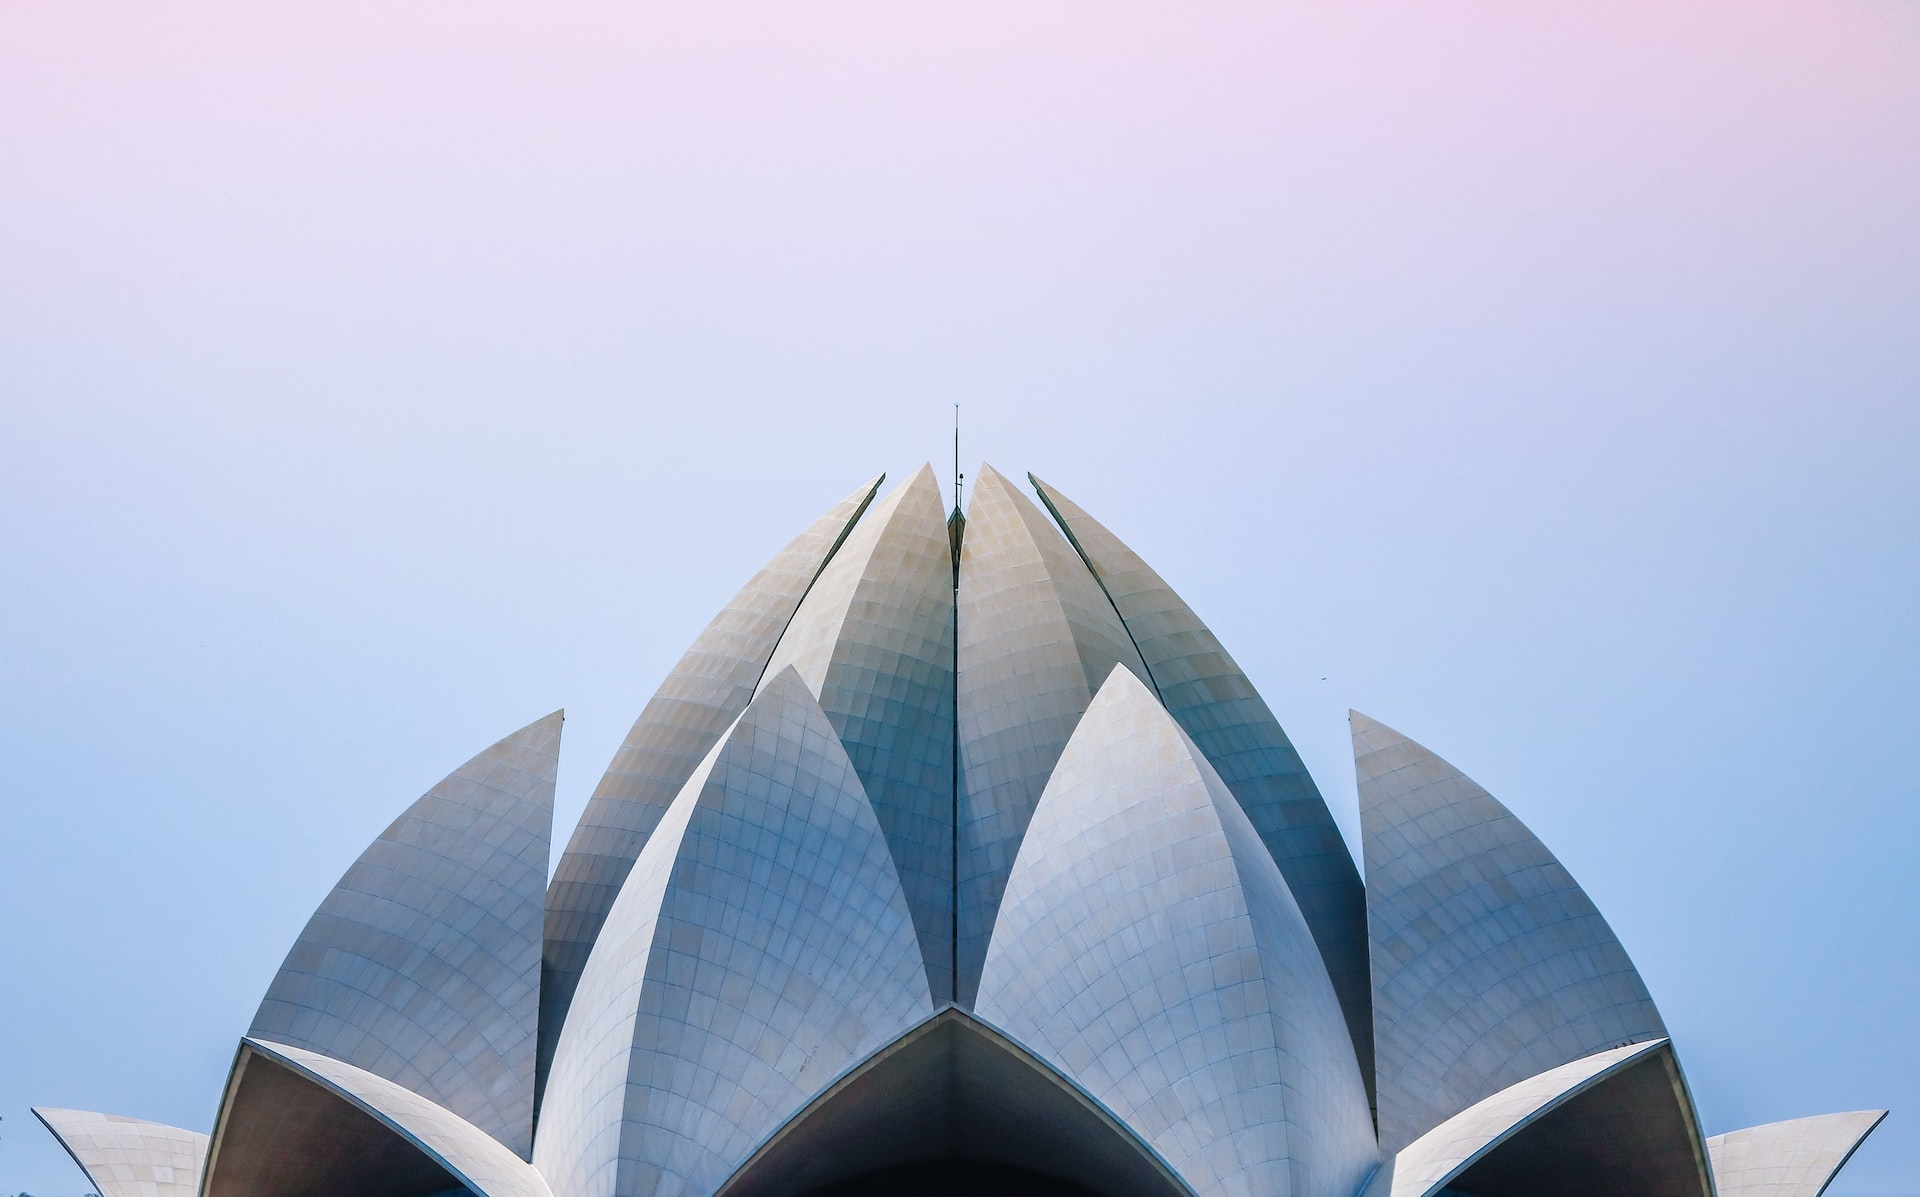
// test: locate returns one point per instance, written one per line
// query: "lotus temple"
(956, 856)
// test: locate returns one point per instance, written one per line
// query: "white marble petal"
(128, 1157)
(1490, 964)
(1216, 704)
(423, 964)
(761, 947)
(1149, 949)
(1796, 1158)
(1037, 637)
(874, 642)
(697, 702)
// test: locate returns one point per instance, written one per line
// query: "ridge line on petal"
(833, 550)
(1046, 500)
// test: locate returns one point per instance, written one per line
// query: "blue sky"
(375, 379)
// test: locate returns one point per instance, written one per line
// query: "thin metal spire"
(957, 522)
(958, 477)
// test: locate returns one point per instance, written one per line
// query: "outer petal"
(1631, 1130)
(296, 1122)
(699, 700)
(1798, 1158)
(1036, 639)
(1489, 963)
(1148, 947)
(126, 1157)
(1424, 1166)
(760, 947)
(423, 964)
(874, 643)
(1216, 705)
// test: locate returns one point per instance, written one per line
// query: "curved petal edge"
(1423, 1167)
(466, 1152)
(129, 1157)
(1796, 1158)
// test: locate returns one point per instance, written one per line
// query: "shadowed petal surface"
(296, 1123)
(952, 1092)
(1632, 1130)
(1424, 1166)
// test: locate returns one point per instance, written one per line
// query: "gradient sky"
(1543, 380)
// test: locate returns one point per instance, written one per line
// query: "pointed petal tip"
(543, 734)
(923, 479)
(787, 677)
(1125, 685)
(856, 503)
(1359, 724)
(1369, 735)
(1054, 501)
(1051, 496)
(921, 483)
(866, 489)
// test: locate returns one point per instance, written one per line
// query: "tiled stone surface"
(1490, 965)
(761, 946)
(1217, 706)
(1797, 1158)
(1423, 1167)
(1037, 637)
(126, 1157)
(423, 964)
(470, 1153)
(1148, 947)
(700, 699)
(874, 642)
